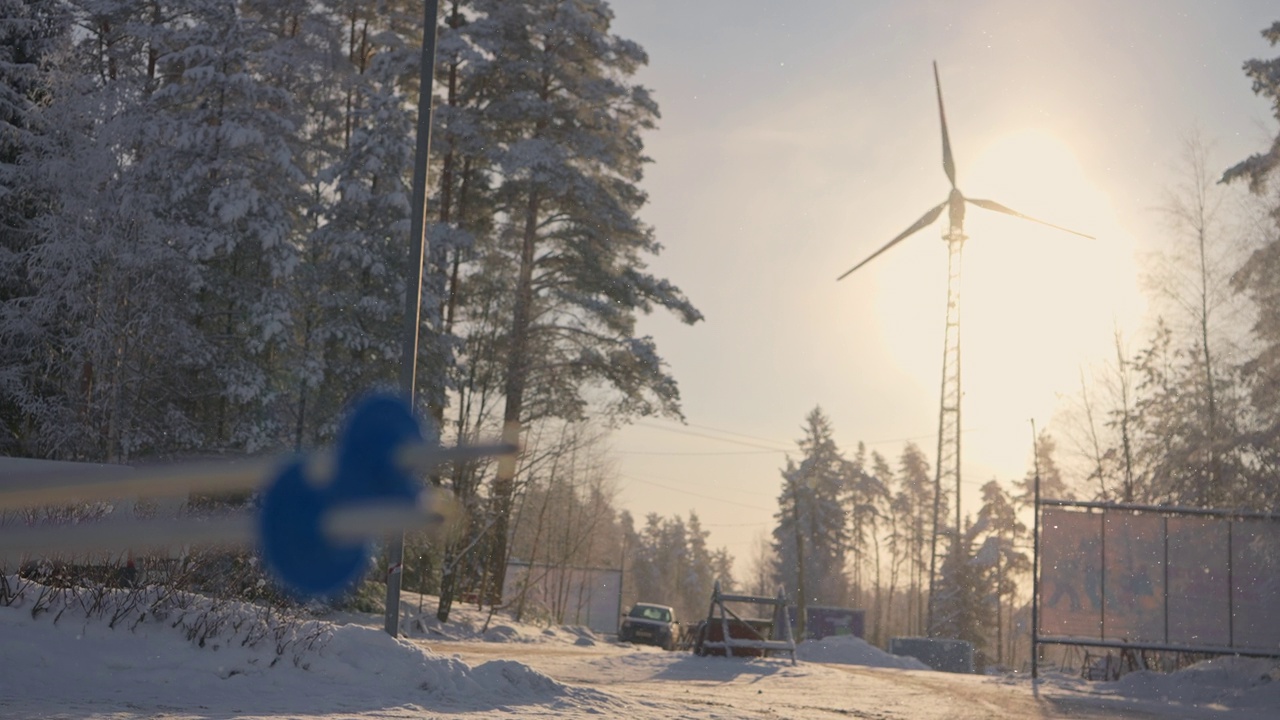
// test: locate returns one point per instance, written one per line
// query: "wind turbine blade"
(923, 222)
(948, 164)
(992, 205)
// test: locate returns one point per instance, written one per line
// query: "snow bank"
(65, 654)
(1227, 682)
(467, 623)
(850, 650)
(360, 655)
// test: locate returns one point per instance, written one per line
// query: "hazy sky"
(798, 137)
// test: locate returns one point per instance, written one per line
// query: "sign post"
(413, 288)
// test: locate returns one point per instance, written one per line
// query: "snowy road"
(59, 664)
(685, 686)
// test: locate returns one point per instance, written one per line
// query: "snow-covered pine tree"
(109, 353)
(568, 122)
(226, 150)
(811, 537)
(351, 287)
(115, 349)
(964, 604)
(1257, 278)
(31, 31)
(475, 300)
(462, 201)
(304, 50)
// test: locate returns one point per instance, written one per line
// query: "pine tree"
(645, 568)
(913, 505)
(224, 153)
(352, 284)
(105, 324)
(569, 155)
(1256, 278)
(811, 537)
(669, 563)
(1266, 82)
(865, 497)
(700, 573)
(1003, 533)
(31, 32)
(1053, 486)
(465, 264)
(882, 503)
(114, 347)
(964, 608)
(979, 575)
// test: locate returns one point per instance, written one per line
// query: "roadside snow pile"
(92, 645)
(850, 650)
(1227, 682)
(199, 620)
(469, 624)
(526, 634)
(503, 633)
(358, 655)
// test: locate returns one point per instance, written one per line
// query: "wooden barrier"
(727, 634)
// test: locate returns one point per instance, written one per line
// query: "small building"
(829, 621)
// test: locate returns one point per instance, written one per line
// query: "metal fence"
(1157, 578)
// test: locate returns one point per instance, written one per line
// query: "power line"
(731, 432)
(720, 525)
(680, 431)
(761, 449)
(790, 447)
(689, 492)
(674, 452)
(900, 440)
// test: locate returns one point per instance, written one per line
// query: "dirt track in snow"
(693, 687)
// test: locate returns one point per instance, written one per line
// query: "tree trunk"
(517, 376)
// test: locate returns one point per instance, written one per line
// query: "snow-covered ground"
(61, 664)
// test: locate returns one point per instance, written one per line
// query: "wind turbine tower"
(948, 465)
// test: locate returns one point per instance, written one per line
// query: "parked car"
(651, 624)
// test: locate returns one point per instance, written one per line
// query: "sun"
(1038, 305)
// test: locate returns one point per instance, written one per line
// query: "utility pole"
(413, 288)
(1035, 559)
(802, 592)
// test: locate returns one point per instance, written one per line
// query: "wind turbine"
(949, 413)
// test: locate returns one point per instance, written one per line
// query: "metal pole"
(413, 288)
(622, 572)
(1231, 585)
(1035, 560)
(1166, 578)
(1102, 582)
